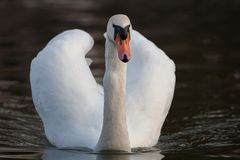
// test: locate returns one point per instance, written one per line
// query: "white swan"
(136, 98)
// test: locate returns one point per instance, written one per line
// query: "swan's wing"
(150, 88)
(65, 93)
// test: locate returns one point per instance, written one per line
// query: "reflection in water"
(54, 154)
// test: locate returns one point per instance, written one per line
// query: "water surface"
(202, 37)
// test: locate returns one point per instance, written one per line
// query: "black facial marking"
(122, 31)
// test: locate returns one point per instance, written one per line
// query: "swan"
(128, 111)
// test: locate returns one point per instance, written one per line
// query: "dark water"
(202, 37)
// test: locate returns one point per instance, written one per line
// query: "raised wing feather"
(150, 88)
(63, 85)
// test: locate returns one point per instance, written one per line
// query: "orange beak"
(123, 48)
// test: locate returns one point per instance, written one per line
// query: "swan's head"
(119, 29)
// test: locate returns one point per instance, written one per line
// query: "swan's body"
(71, 103)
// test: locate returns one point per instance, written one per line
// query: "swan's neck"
(114, 135)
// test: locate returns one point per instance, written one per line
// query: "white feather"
(70, 102)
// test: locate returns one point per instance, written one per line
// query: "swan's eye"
(123, 32)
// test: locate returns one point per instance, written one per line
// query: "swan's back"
(150, 88)
(65, 94)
